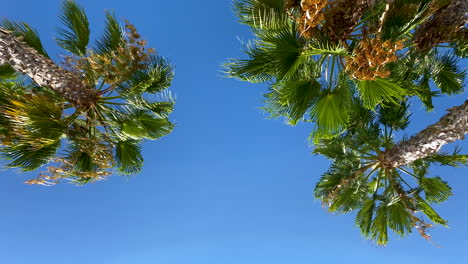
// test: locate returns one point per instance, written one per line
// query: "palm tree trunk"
(451, 127)
(44, 71)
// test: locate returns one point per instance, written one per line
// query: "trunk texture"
(443, 25)
(45, 72)
(450, 127)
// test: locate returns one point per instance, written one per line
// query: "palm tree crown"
(385, 197)
(316, 56)
(349, 67)
(85, 119)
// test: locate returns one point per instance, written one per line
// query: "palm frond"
(435, 189)
(139, 124)
(261, 14)
(112, 38)
(155, 78)
(275, 55)
(447, 75)
(399, 219)
(7, 72)
(429, 211)
(403, 16)
(379, 227)
(375, 92)
(331, 111)
(29, 157)
(128, 157)
(395, 116)
(292, 99)
(454, 160)
(162, 104)
(364, 217)
(74, 35)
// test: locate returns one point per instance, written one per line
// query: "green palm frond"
(399, 219)
(454, 160)
(375, 92)
(429, 211)
(447, 75)
(261, 14)
(435, 189)
(322, 45)
(155, 78)
(112, 38)
(139, 124)
(161, 105)
(28, 157)
(395, 116)
(275, 55)
(460, 47)
(27, 33)
(7, 72)
(292, 99)
(379, 226)
(331, 111)
(128, 157)
(404, 16)
(74, 35)
(36, 120)
(365, 216)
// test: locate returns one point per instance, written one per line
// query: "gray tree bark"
(44, 72)
(452, 126)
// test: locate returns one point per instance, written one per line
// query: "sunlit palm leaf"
(292, 99)
(74, 36)
(156, 78)
(430, 212)
(331, 111)
(128, 157)
(435, 189)
(379, 90)
(112, 37)
(261, 14)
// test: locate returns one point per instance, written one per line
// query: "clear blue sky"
(228, 186)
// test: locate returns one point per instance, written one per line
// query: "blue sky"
(227, 186)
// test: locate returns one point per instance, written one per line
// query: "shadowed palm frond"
(447, 75)
(28, 157)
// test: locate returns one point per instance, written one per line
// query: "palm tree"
(84, 119)
(335, 62)
(316, 56)
(396, 198)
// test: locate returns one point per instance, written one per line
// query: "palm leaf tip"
(74, 35)
(112, 37)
